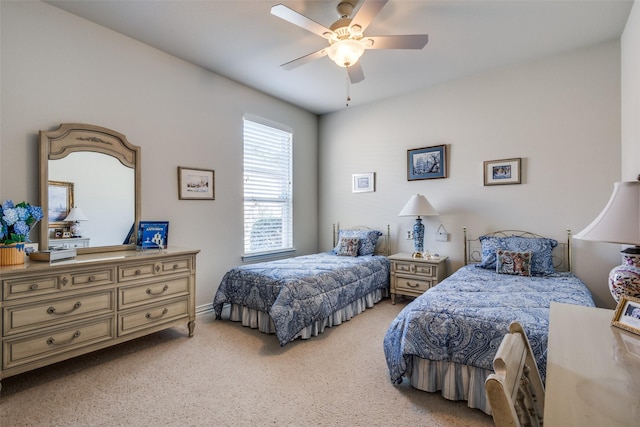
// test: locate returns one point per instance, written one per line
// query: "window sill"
(268, 256)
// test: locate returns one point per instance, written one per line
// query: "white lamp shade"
(418, 205)
(76, 214)
(346, 53)
(619, 221)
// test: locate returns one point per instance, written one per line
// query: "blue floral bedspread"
(464, 318)
(297, 292)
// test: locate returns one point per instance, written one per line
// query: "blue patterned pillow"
(368, 240)
(490, 245)
(540, 248)
(348, 246)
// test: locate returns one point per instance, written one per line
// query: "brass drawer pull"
(165, 288)
(92, 278)
(138, 272)
(148, 315)
(52, 341)
(52, 310)
(34, 287)
(417, 285)
(176, 266)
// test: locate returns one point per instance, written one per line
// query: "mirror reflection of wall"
(105, 191)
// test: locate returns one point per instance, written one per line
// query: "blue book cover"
(153, 235)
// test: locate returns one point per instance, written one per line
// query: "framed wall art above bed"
(427, 163)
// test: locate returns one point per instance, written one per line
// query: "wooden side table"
(413, 276)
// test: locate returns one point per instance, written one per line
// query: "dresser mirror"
(96, 171)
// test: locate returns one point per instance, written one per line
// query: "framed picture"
(627, 314)
(363, 182)
(60, 202)
(502, 172)
(153, 235)
(196, 184)
(427, 163)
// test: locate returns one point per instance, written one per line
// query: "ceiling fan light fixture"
(347, 52)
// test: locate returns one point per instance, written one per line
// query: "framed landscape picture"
(502, 172)
(196, 184)
(427, 163)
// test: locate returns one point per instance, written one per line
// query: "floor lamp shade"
(619, 222)
(418, 206)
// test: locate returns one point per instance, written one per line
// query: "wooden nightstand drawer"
(179, 265)
(418, 269)
(403, 283)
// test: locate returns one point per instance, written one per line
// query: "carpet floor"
(229, 375)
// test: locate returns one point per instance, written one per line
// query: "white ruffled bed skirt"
(263, 322)
(453, 380)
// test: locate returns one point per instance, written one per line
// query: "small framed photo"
(363, 182)
(60, 202)
(627, 314)
(153, 235)
(66, 235)
(196, 184)
(502, 172)
(427, 163)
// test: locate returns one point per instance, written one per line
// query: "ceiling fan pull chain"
(348, 87)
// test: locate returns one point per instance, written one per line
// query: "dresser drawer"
(177, 265)
(138, 271)
(135, 320)
(134, 295)
(20, 351)
(405, 283)
(25, 317)
(415, 268)
(52, 283)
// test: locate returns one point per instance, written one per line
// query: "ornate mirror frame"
(74, 137)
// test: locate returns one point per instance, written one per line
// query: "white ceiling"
(241, 40)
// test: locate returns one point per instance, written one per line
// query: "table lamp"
(619, 222)
(76, 215)
(418, 205)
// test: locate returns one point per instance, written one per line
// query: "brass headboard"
(561, 254)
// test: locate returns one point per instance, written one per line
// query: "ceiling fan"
(346, 40)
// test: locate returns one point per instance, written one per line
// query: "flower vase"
(12, 254)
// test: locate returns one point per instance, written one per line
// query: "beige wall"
(630, 82)
(560, 114)
(58, 68)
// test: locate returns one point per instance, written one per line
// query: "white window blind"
(268, 204)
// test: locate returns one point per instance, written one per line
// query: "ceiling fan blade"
(304, 59)
(417, 41)
(367, 12)
(355, 73)
(295, 18)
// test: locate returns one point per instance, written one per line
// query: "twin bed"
(299, 297)
(445, 339)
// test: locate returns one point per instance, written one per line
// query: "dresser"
(70, 243)
(413, 276)
(593, 370)
(54, 312)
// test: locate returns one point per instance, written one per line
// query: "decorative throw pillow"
(368, 240)
(513, 262)
(348, 246)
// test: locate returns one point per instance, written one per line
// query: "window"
(268, 197)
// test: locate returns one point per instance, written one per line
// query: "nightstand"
(413, 276)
